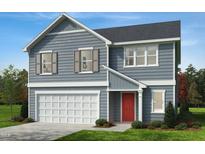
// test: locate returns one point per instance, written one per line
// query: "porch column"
(140, 108)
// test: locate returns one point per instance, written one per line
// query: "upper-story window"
(86, 60)
(141, 56)
(46, 63)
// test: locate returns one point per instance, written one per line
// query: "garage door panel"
(68, 108)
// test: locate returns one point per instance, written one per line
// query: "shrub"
(151, 127)
(196, 123)
(196, 126)
(181, 126)
(170, 116)
(156, 123)
(24, 110)
(108, 124)
(164, 126)
(27, 120)
(137, 124)
(18, 118)
(184, 117)
(100, 122)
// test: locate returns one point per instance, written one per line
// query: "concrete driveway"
(38, 131)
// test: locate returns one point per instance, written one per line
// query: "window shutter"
(55, 62)
(77, 61)
(95, 60)
(38, 64)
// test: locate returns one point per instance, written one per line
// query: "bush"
(100, 122)
(156, 123)
(24, 110)
(196, 123)
(108, 124)
(17, 118)
(164, 126)
(195, 126)
(170, 116)
(137, 124)
(185, 117)
(181, 126)
(151, 127)
(28, 120)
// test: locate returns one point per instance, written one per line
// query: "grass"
(144, 134)
(5, 117)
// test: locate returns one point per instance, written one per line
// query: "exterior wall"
(65, 25)
(103, 98)
(65, 45)
(147, 102)
(117, 82)
(162, 72)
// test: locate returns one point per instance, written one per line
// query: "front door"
(128, 107)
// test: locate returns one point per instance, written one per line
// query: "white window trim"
(91, 60)
(44, 52)
(145, 57)
(129, 56)
(164, 98)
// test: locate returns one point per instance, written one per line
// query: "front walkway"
(45, 131)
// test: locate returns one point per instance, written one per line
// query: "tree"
(193, 94)
(182, 93)
(191, 74)
(201, 84)
(170, 116)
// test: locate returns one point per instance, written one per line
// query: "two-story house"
(122, 74)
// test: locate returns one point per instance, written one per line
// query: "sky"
(18, 29)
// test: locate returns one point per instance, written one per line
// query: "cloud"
(188, 43)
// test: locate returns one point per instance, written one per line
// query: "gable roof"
(54, 24)
(162, 30)
(140, 84)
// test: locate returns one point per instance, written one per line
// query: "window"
(86, 61)
(46, 63)
(129, 57)
(158, 101)
(141, 56)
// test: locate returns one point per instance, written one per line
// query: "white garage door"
(68, 108)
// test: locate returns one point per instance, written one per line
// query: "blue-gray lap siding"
(117, 82)
(162, 72)
(115, 104)
(103, 98)
(65, 45)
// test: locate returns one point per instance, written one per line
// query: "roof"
(160, 30)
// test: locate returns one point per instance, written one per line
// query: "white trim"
(65, 92)
(158, 82)
(123, 89)
(67, 32)
(164, 98)
(86, 72)
(46, 74)
(46, 51)
(73, 20)
(68, 84)
(174, 74)
(121, 105)
(140, 105)
(125, 77)
(108, 93)
(87, 48)
(147, 41)
(29, 108)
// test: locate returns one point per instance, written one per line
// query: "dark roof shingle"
(141, 32)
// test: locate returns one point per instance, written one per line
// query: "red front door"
(127, 107)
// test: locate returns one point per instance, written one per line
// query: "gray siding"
(65, 25)
(147, 100)
(103, 98)
(65, 45)
(163, 71)
(117, 82)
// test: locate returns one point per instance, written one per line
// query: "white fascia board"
(125, 77)
(72, 19)
(147, 41)
(68, 92)
(158, 82)
(67, 32)
(68, 84)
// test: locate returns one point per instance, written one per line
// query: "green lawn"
(5, 117)
(144, 134)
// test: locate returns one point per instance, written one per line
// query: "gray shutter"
(38, 64)
(95, 60)
(77, 61)
(55, 62)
